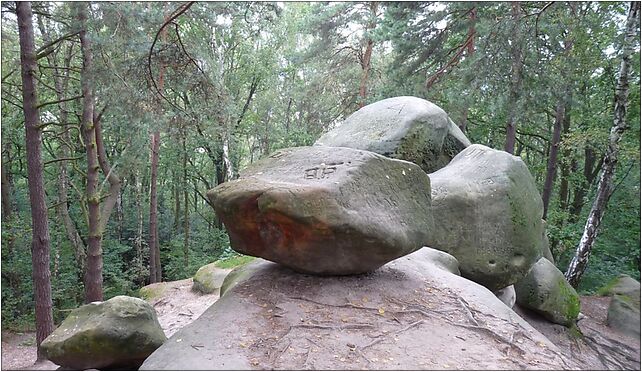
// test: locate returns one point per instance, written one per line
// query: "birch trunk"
(605, 186)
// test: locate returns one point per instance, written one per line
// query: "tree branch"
(59, 101)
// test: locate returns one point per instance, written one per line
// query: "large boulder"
(410, 314)
(624, 309)
(546, 291)
(488, 215)
(119, 333)
(209, 278)
(326, 210)
(406, 128)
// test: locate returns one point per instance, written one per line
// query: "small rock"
(546, 291)
(119, 333)
(209, 278)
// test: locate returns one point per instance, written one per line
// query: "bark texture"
(94, 274)
(605, 186)
(40, 228)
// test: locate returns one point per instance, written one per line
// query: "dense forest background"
(212, 87)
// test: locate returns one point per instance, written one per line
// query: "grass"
(234, 261)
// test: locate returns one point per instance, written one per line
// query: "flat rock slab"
(406, 128)
(409, 314)
(487, 213)
(326, 210)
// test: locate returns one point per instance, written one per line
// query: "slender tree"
(94, 274)
(40, 228)
(516, 78)
(606, 185)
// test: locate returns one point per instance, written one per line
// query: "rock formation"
(208, 279)
(488, 215)
(409, 314)
(546, 291)
(118, 333)
(624, 309)
(406, 128)
(325, 210)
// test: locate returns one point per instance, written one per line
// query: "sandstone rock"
(546, 291)
(208, 279)
(407, 315)
(488, 215)
(546, 247)
(442, 260)
(406, 128)
(152, 291)
(624, 309)
(507, 296)
(118, 333)
(326, 210)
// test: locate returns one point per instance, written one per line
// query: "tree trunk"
(367, 56)
(186, 205)
(605, 186)
(516, 80)
(591, 171)
(552, 157)
(6, 193)
(109, 172)
(40, 229)
(561, 114)
(139, 230)
(565, 167)
(154, 270)
(94, 275)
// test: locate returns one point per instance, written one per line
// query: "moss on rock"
(119, 333)
(208, 279)
(546, 291)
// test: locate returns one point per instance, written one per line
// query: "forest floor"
(602, 348)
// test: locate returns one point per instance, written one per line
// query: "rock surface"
(117, 333)
(409, 314)
(488, 215)
(624, 309)
(209, 278)
(507, 296)
(326, 210)
(406, 128)
(546, 291)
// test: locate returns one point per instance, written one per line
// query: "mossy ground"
(234, 261)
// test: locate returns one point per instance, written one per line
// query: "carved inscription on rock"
(320, 172)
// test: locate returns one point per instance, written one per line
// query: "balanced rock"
(488, 215)
(326, 210)
(624, 309)
(406, 128)
(409, 314)
(546, 291)
(209, 278)
(119, 333)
